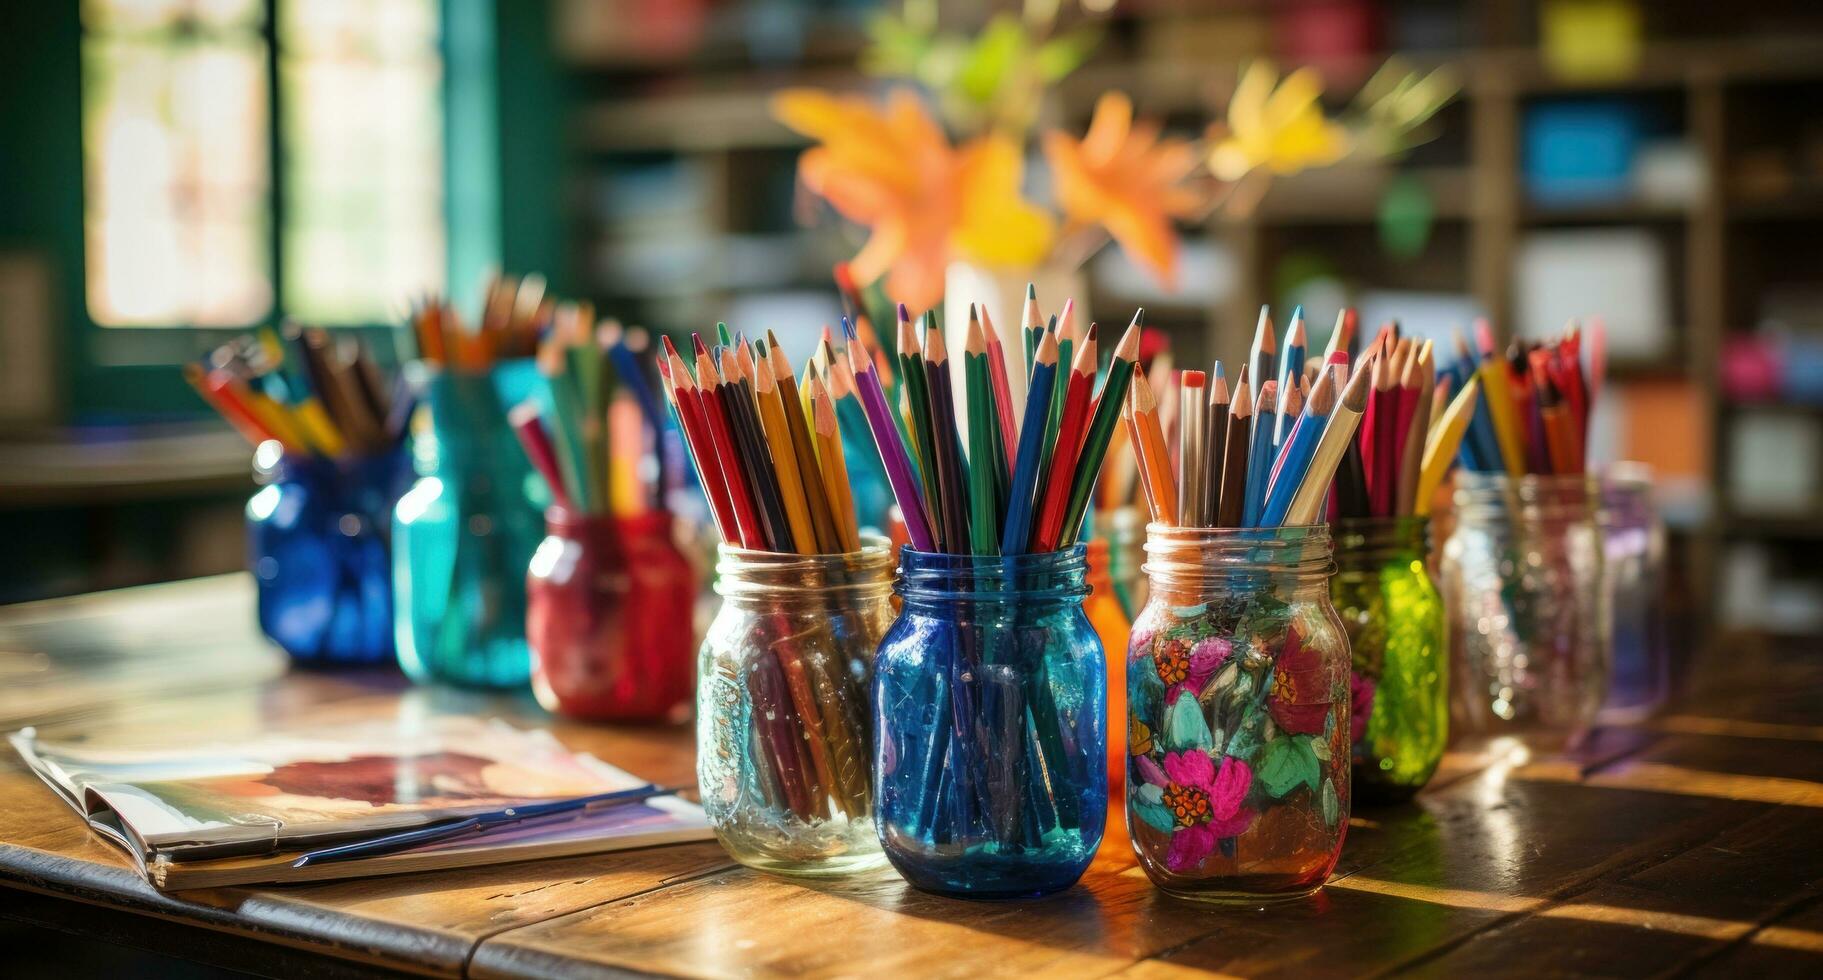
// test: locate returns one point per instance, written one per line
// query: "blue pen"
(1014, 533)
(480, 823)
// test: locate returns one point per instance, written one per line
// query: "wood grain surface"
(1691, 844)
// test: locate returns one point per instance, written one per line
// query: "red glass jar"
(610, 605)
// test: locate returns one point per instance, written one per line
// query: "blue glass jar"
(464, 534)
(317, 535)
(990, 741)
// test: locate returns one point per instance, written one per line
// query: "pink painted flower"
(1204, 802)
(1187, 668)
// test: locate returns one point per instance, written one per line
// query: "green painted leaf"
(1287, 764)
(1332, 807)
(1149, 807)
(1185, 727)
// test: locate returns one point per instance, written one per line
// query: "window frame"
(106, 349)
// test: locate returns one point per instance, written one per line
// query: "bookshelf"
(1724, 240)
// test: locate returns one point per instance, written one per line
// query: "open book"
(205, 815)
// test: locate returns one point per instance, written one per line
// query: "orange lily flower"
(925, 202)
(1122, 176)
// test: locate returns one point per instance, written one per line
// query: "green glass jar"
(1390, 606)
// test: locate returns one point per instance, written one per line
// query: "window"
(188, 220)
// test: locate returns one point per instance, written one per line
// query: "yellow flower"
(1277, 125)
(925, 202)
(1122, 176)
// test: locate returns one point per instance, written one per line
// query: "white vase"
(1002, 291)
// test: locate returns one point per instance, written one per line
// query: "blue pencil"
(1260, 454)
(1014, 533)
(1291, 368)
(1300, 449)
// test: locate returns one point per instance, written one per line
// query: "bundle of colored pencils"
(514, 315)
(314, 394)
(1535, 419)
(601, 431)
(1409, 437)
(1265, 453)
(1021, 481)
(768, 452)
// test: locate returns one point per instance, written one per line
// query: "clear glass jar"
(317, 544)
(1522, 580)
(609, 607)
(1633, 541)
(783, 744)
(990, 725)
(1237, 722)
(464, 534)
(1389, 603)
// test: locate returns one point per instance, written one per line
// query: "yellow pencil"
(784, 459)
(833, 468)
(1493, 375)
(1441, 444)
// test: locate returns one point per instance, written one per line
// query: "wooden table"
(1692, 844)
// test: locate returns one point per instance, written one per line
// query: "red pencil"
(1003, 393)
(740, 495)
(1056, 491)
(680, 388)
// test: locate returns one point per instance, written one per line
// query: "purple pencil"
(886, 439)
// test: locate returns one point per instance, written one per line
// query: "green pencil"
(1101, 430)
(984, 525)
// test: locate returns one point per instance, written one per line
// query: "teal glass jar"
(990, 696)
(1389, 603)
(464, 534)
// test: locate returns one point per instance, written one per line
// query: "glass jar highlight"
(783, 743)
(1238, 714)
(1390, 606)
(317, 534)
(1633, 542)
(989, 724)
(1522, 580)
(609, 607)
(464, 534)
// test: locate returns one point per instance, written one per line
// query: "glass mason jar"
(1522, 580)
(1237, 720)
(783, 746)
(1389, 604)
(609, 607)
(317, 546)
(464, 535)
(1633, 540)
(990, 726)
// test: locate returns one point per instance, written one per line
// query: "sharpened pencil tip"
(848, 329)
(904, 314)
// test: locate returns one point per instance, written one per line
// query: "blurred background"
(174, 171)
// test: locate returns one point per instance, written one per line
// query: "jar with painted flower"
(1237, 782)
